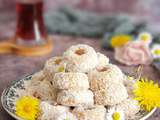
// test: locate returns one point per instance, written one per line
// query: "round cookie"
(66, 116)
(112, 95)
(50, 112)
(75, 98)
(129, 106)
(71, 81)
(103, 76)
(80, 58)
(36, 79)
(42, 90)
(102, 59)
(54, 65)
(94, 113)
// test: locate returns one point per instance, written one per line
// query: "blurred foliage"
(156, 38)
(83, 23)
(76, 22)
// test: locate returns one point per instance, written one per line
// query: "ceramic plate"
(9, 95)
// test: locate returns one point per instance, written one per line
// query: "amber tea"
(30, 24)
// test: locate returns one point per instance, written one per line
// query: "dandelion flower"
(145, 37)
(27, 108)
(120, 40)
(115, 114)
(156, 51)
(147, 94)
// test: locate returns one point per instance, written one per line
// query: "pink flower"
(133, 53)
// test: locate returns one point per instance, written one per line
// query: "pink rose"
(133, 53)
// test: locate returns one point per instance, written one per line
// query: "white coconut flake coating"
(102, 59)
(66, 116)
(75, 98)
(80, 58)
(129, 106)
(54, 65)
(51, 112)
(71, 81)
(112, 95)
(94, 113)
(103, 76)
(42, 90)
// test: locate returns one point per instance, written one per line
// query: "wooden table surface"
(14, 67)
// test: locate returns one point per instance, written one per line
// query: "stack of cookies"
(85, 84)
(73, 89)
(107, 84)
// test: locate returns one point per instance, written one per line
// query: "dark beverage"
(30, 24)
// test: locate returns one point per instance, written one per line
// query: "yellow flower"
(145, 36)
(120, 40)
(147, 94)
(156, 51)
(27, 108)
(116, 116)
